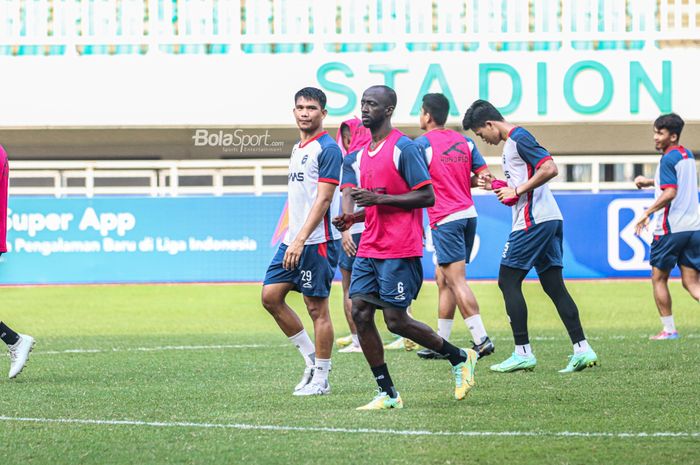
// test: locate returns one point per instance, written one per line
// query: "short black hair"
(388, 93)
(479, 113)
(437, 106)
(311, 93)
(672, 122)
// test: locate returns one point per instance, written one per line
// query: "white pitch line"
(263, 346)
(150, 349)
(316, 429)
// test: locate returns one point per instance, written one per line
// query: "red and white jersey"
(522, 155)
(677, 169)
(317, 160)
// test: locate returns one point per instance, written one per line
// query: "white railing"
(397, 24)
(224, 177)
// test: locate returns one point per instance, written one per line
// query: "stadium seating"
(98, 27)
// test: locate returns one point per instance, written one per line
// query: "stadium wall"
(232, 239)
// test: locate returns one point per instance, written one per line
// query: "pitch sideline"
(315, 429)
(264, 346)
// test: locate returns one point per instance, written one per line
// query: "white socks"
(474, 323)
(306, 347)
(524, 350)
(669, 325)
(321, 370)
(476, 326)
(355, 340)
(581, 347)
(445, 328)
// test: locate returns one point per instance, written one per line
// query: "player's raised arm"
(668, 180)
(537, 156)
(482, 175)
(641, 182)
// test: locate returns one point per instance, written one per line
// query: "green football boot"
(515, 363)
(581, 362)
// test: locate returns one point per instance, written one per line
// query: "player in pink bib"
(452, 158)
(19, 345)
(352, 136)
(387, 272)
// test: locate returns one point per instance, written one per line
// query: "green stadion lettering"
(337, 87)
(485, 69)
(662, 98)
(434, 77)
(434, 73)
(605, 98)
(388, 72)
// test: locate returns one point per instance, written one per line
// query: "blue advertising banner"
(599, 239)
(134, 239)
(225, 239)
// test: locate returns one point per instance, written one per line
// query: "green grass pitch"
(169, 362)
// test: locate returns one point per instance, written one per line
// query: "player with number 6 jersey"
(387, 273)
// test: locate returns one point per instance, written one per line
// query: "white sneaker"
(314, 389)
(305, 379)
(19, 353)
(352, 348)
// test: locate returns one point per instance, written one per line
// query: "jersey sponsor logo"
(303, 160)
(626, 250)
(455, 149)
(299, 176)
(454, 155)
(506, 172)
(505, 250)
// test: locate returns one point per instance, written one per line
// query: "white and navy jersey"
(677, 169)
(317, 160)
(522, 155)
(351, 178)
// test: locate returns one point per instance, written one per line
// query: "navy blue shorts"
(681, 248)
(314, 275)
(541, 246)
(453, 241)
(346, 262)
(391, 282)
